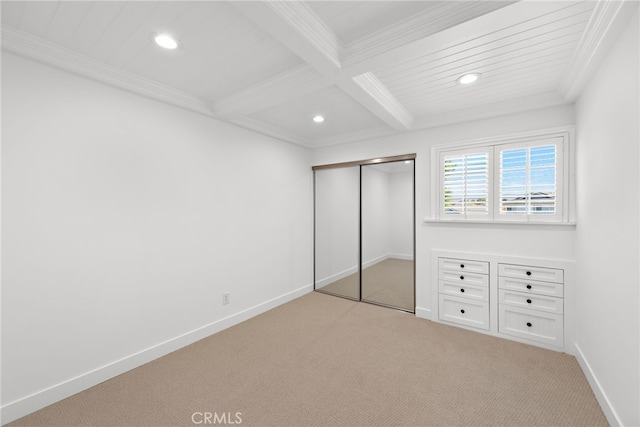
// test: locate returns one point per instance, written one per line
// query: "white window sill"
(475, 221)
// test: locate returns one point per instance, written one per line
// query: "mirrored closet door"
(387, 234)
(337, 211)
(364, 231)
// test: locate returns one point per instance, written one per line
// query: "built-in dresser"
(510, 297)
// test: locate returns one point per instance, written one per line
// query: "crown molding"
(531, 103)
(607, 21)
(289, 85)
(364, 135)
(500, 109)
(504, 108)
(268, 130)
(35, 48)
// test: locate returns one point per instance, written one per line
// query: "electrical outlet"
(225, 298)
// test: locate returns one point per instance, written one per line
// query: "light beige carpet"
(326, 361)
(389, 282)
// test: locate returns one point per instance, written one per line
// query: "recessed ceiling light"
(165, 41)
(318, 119)
(468, 78)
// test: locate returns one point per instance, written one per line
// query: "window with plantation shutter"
(529, 184)
(466, 184)
(519, 179)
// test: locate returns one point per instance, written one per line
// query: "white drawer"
(464, 278)
(531, 286)
(464, 311)
(531, 324)
(464, 290)
(464, 265)
(530, 272)
(532, 301)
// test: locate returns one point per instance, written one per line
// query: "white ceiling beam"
(387, 106)
(369, 92)
(296, 26)
(608, 20)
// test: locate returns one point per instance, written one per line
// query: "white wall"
(607, 237)
(124, 220)
(555, 242)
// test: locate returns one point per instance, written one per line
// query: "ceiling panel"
(36, 16)
(343, 115)
(65, 22)
(95, 25)
(352, 20)
(220, 52)
(12, 12)
(122, 29)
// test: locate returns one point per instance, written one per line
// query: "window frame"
(565, 185)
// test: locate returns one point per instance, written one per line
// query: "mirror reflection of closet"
(364, 231)
(337, 214)
(387, 234)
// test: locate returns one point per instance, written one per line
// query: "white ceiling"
(372, 68)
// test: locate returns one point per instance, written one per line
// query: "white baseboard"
(423, 313)
(374, 261)
(335, 277)
(601, 396)
(407, 257)
(38, 400)
(348, 272)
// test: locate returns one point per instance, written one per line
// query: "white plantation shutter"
(529, 180)
(465, 185)
(542, 180)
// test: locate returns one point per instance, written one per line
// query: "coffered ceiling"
(371, 68)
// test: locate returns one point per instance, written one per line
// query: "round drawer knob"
(529, 324)
(461, 265)
(462, 290)
(461, 277)
(528, 286)
(528, 273)
(528, 301)
(462, 311)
